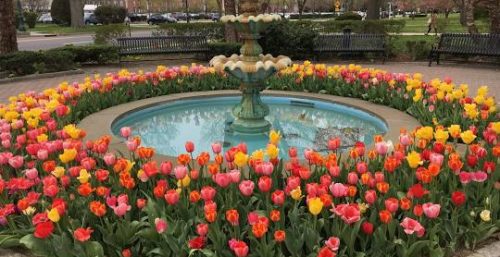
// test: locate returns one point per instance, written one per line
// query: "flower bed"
(63, 196)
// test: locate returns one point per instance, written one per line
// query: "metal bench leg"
(431, 57)
(437, 59)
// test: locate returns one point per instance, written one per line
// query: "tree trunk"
(8, 34)
(469, 16)
(301, 4)
(373, 12)
(494, 11)
(76, 9)
(229, 31)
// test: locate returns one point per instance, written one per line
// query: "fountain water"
(251, 68)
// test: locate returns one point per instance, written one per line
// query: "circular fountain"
(251, 67)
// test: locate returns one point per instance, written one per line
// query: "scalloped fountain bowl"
(303, 124)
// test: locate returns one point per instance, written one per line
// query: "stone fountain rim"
(100, 123)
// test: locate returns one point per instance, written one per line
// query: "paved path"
(472, 74)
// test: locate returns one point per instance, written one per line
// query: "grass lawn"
(419, 25)
(62, 30)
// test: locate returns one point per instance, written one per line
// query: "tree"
(76, 10)
(301, 4)
(493, 7)
(373, 12)
(8, 34)
(59, 12)
(229, 31)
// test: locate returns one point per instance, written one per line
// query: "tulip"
(82, 234)
(278, 197)
(412, 226)
(246, 187)
(333, 243)
(202, 229)
(216, 148)
(180, 171)
(172, 196)
(315, 206)
(265, 184)
(160, 225)
(431, 210)
(338, 190)
(189, 146)
(125, 132)
(222, 179)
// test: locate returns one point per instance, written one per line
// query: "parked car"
(215, 16)
(45, 18)
(155, 19)
(90, 19)
(138, 17)
(169, 18)
(180, 16)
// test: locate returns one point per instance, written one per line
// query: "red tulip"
(279, 236)
(367, 227)
(44, 229)
(82, 234)
(202, 229)
(197, 242)
(458, 198)
(172, 197)
(278, 197)
(391, 204)
(265, 184)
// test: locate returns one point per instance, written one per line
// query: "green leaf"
(94, 249)
(7, 241)
(36, 245)
(416, 248)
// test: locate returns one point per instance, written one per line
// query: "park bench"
(162, 45)
(462, 44)
(350, 43)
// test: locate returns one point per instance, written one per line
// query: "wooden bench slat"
(163, 44)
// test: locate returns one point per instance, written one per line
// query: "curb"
(41, 76)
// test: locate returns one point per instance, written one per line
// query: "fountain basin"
(303, 123)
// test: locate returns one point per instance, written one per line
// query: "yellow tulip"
(441, 135)
(184, 182)
(68, 155)
(425, 133)
(272, 151)
(296, 193)
(274, 137)
(467, 136)
(84, 176)
(58, 172)
(53, 215)
(72, 131)
(485, 215)
(496, 127)
(315, 206)
(414, 159)
(240, 159)
(455, 130)
(258, 155)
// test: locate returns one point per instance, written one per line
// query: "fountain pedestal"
(251, 68)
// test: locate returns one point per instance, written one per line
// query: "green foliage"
(225, 48)
(107, 33)
(100, 54)
(60, 12)
(110, 14)
(30, 18)
(293, 39)
(312, 16)
(26, 62)
(213, 31)
(349, 16)
(418, 50)
(357, 26)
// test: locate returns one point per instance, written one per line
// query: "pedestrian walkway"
(474, 75)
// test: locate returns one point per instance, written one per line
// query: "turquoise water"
(303, 124)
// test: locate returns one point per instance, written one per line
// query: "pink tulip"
(16, 162)
(370, 196)
(405, 140)
(392, 204)
(381, 148)
(202, 229)
(338, 190)
(465, 177)
(31, 173)
(431, 210)
(125, 132)
(42, 154)
(172, 197)
(352, 178)
(334, 171)
(412, 226)
(379, 177)
(131, 145)
(216, 148)
(121, 209)
(161, 225)
(109, 159)
(222, 179)
(361, 167)
(166, 167)
(479, 176)
(180, 171)
(333, 243)
(246, 187)
(235, 176)
(207, 193)
(253, 218)
(436, 158)
(267, 168)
